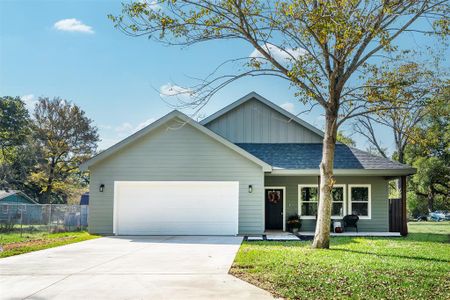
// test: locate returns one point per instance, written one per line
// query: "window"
(360, 200)
(309, 198)
(338, 205)
(307, 203)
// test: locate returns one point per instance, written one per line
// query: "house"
(15, 197)
(243, 170)
(16, 206)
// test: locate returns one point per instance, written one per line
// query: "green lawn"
(415, 267)
(14, 243)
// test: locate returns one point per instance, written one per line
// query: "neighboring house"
(243, 170)
(16, 206)
(15, 197)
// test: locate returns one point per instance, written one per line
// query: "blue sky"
(116, 79)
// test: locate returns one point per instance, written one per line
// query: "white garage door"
(176, 208)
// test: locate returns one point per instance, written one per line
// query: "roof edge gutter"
(344, 172)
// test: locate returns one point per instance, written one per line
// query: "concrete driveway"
(129, 268)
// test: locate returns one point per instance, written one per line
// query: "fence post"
(50, 219)
(21, 220)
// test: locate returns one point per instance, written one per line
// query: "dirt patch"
(239, 272)
(32, 243)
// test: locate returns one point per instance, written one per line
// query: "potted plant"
(294, 223)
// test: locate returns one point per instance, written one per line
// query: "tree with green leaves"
(410, 89)
(430, 154)
(67, 138)
(14, 132)
(344, 139)
(320, 47)
(14, 124)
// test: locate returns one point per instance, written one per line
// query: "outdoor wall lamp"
(250, 188)
(101, 188)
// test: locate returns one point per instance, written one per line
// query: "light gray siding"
(176, 154)
(380, 204)
(255, 122)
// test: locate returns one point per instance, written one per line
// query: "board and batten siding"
(380, 203)
(255, 122)
(176, 152)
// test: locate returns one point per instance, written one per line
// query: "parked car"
(439, 215)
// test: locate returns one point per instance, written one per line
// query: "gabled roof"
(4, 194)
(254, 95)
(170, 116)
(305, 158)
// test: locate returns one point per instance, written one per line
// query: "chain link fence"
(43, 217)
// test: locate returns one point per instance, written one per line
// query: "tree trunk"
(49, 186)
(430, 199)
(322, 234)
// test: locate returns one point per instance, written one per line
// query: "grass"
(14, 243)
(413, 267)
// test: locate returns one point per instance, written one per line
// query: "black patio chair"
(351, 221)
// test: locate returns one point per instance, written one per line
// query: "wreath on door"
(274, 197)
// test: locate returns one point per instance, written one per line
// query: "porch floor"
(352, 233)
(274, 235)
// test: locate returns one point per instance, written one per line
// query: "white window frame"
(344, 200)
(369, 203)
(299, 208)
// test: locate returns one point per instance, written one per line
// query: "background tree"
(14, 132)
(344, 139)
(409, 88)
(317, 46)
(67, 138)
(430, 154)
(14, 124)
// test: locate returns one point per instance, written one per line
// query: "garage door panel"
(184, 208)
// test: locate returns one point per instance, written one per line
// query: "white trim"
(284, 204)
(115, 210)
(299, 200)
(369, 208)
(344, 202)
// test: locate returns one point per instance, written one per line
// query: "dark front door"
(274, 209)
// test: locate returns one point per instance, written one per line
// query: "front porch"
(365, 196)
(356, 234)
(285, 236)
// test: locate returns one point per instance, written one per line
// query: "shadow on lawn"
(391, 255)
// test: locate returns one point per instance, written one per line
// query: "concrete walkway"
(129, 268)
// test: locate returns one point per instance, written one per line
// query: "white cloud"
(289, 106)
(319, 121)
(127, 128)
(284, 55)
(153, 5)
(103, 126)
(30, 101)
(73, 25)
(124, 128)
(169, 89)
(144, 124)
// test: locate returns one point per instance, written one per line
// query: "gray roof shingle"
(308, 156)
